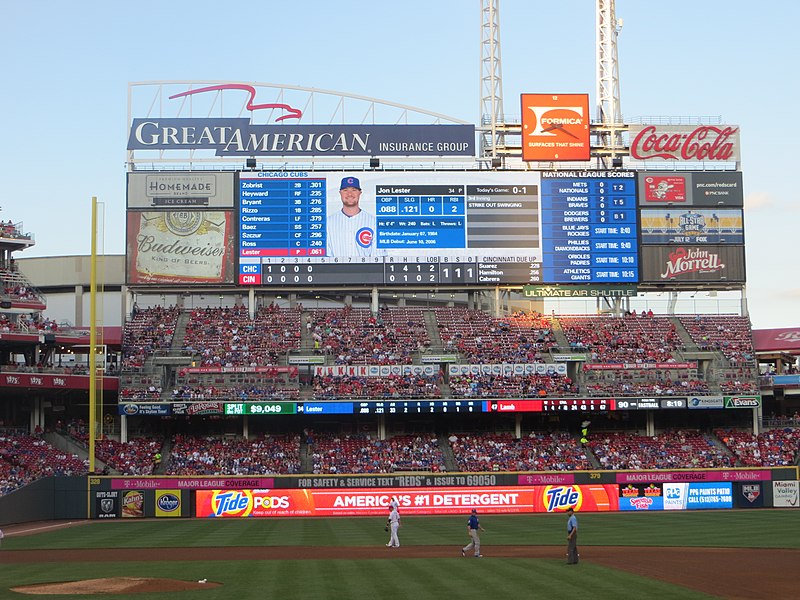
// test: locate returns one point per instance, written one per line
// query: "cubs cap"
(352, 182)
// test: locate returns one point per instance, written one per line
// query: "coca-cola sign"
(690, 263)
(685, 143)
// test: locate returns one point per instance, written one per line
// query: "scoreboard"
(438, 228)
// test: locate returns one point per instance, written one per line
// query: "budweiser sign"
(687, 143)
(693, 260)
(188, 246)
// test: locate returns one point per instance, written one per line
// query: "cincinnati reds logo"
(364, 237)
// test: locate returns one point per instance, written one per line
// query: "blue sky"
(67, 67)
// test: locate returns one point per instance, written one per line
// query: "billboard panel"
(685, 143)
(241, 138)
(786, 494)
(676, 191)
(458, 227)
(185, 246)
(692, 263)
(428, 501)
(695, 496)
(555, 127)
(180, 190)
(692, 226)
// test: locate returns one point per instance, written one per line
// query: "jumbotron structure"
(322, 290)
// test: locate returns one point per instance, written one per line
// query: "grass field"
(400, 578)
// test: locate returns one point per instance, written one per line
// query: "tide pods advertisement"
(428, 501)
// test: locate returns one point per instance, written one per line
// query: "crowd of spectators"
(147, 330)
(730, 334)
(538, 451)
(479, 338)
(678, 449)
(511, 386)
(228, 337)
(235, 392)
(773, 448)
(356, 336)
(609, 386)
(633, 338)
(25, 458)
(331, 387)
(215, 455)
(337, 453)
(137, 456)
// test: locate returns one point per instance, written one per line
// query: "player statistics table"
(281, 214)
(433, 228)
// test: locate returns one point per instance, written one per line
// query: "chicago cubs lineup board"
(438, 228)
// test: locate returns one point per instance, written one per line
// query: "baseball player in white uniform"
(394, 525)
(351, 230)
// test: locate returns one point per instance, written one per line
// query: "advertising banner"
(198, 408)
(692, 263)
(133, 504)
(555, 127)
(777, 340)
(679, 191)
(168, 503)
(705, 402)
(106, 505)
(685, 143)
(786, 494)
(40, 380)
(693, 226)
(697, 496)
(641, 497)
(168, 484)
(239, 137)
(129, 409)
(580, 291)
(180, 246)
(180, 190)
(433, 501)
(742, 401)
(709, 475)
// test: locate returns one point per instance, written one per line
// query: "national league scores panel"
(440, 228)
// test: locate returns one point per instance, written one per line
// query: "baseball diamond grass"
(400, 578)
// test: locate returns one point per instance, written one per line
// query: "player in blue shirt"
(351, 230)
(572, 538)
(473, 527)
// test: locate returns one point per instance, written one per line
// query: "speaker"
(251, 163)
(374, 163)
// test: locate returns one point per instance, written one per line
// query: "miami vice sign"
(240, 137)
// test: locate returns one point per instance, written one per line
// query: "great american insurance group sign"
(276, 129)
(239, 137)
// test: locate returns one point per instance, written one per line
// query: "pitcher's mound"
(114, 585)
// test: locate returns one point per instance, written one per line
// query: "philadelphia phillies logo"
(364, 237)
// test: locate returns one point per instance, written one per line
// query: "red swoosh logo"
(293, 113)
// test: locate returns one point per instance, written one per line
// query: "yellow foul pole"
(92, 339)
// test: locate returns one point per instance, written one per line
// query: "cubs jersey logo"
(364, 237)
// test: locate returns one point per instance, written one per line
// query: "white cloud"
(758, 201)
